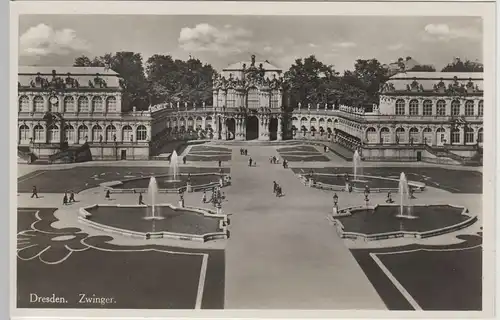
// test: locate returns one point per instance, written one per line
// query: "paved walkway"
(283, 254)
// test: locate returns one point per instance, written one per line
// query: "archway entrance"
(252, 128)
(231, 128)
(273, 129)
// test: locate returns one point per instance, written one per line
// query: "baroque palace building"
(421, 116)
(66, 108)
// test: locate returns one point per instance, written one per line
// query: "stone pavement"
(282, 253)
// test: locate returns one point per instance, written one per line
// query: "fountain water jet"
(153, 214)
(173, 169)
(405, 207)
(356, 165)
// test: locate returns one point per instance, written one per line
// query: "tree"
(458, 65)
(175, 80)
(311, 81)
(423, 67)
(130, 68)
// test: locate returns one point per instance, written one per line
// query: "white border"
(485, 10)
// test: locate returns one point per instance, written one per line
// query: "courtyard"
(282, 253)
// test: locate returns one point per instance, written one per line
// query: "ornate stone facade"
(76, 105)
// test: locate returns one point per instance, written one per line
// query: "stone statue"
(300, 104)
(308, 106)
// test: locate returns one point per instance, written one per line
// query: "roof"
(427, 81)
(238, 66)
(27, 74)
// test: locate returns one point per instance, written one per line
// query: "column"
(280, 131)
(60, 104)
(407, 107)
(118, 103)
(204, 123)
(45, 103)
(216, 128)
(448, 107)
(434, 103)
(32, 105)
(224, 129)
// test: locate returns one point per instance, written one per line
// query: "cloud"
(395, 47)
(345, 44)
(313, 45)
(443, 32)
(43, 40)
(207, 38)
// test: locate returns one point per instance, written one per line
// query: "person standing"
(250, 162)
(108, 194)
(204, 197)
(220, 163)
(71, 196)
(34, 192)
(140, 199)
(65, 199)
(275, 186)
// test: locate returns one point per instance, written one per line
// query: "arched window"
(480, 108)
(54, 135)
(275, 98)
(371, 135)
(231, 98)
(441, 108)
(313, 123)
(24, 134)
(142, 133)
(469, 108)
(39, 133)
(413, 107)
(190, 124)
(69, 104)
(428, 136)
(400, 135)
(127, 133)
(303, 121)
(469, 135)
(97, 104)
(111, 104)
(441, 136)
(83, 104)
(69, 133)
(480, 135)
(414, 135)
(455, 135)
(385, 135)
(455, 108)
(253, 98)
(400, 107)
(24, 104)
(82, 133)
(38, 103)
(96, 133)
(427, 108)
(110, 133)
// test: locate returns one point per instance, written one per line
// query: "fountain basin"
(382, 221)
(336, 182)
(187, 223)
(198, 181)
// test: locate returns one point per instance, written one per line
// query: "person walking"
(275, 186)
(140, 199)
(71, 197)
(34, 192)
(204, 197)
(250, 162)
(108, 194)
(220, 163)
(65, 199)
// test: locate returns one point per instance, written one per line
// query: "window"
(127, 133)
(455, 135)
(230, 99)
(82, 133)
(400, 135)
(385, 135)
(253, 98)
(414, 107)
(480, 135)
(480, 109)
(24, 104)
(96, 133)
(53, 134)
(428, 136)
(69, 133)
(427, 108)
(371, 135)
(142, 133)
(110, 133)
(38, 103)
(441, 108)
(39, 133)
(97, 104)
(469, 135)
(69, 104)
(111, 104)
(400, 107)
(455, 108)
(275, 97)
(469, 108)
(440, 134)
(83, 104)
(414, 136)
(24, 133)
(190, 124)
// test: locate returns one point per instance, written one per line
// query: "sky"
(56, 40)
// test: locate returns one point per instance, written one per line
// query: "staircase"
(442, 152)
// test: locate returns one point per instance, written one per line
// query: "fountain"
(153, 214)
(173, 170)
(405, 208)
(356, 164)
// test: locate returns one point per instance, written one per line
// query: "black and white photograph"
(182, 160)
